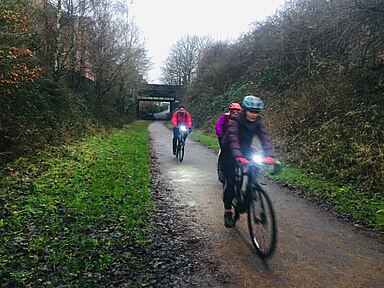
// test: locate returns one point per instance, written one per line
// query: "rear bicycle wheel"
(220, 173)
(262, 223)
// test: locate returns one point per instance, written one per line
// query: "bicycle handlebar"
(258, 164)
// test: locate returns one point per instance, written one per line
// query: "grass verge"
(207, 140)
(362, 207)
(69, 217)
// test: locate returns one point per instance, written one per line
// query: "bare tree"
(118, 56)
(181, 64)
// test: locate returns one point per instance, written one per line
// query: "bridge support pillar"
(174, 105)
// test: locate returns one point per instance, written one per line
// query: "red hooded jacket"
(180, 118)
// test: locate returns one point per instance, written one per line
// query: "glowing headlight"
(183, 128)
(257, 158)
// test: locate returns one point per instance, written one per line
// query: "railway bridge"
(159, 93)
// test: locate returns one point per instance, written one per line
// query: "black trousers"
(228, 165)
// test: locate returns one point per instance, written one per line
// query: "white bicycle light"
(258, 159)
(183, 128)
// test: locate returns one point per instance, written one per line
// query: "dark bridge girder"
(159, 92)
(164, 93)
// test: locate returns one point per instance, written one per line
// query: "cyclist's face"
(251, 115)
(182, 110)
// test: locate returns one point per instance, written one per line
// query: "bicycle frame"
(245, 178)
(183, 133)
(250, 197)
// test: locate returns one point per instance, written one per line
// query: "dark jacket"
(240, 133)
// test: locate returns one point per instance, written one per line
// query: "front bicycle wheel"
(181, 153)
(262, 223)
(177, 150)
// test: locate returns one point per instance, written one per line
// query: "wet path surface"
(315, 249)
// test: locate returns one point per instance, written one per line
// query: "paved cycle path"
(315, 248)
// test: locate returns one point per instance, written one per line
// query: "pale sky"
(163, 22)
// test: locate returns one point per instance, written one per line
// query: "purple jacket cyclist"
(221, 127)
(222, 123)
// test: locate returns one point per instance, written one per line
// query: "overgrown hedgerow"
(319, 68)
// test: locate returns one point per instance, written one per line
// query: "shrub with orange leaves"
(16, 20)
(14, 68)
(17, 62)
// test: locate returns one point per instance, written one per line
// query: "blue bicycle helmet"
(253, 103)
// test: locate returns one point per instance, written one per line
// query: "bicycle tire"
(220, 173)
(181, 152)
(237, 201)
(262, 223)
(180, 149)
(177, 147)
(235, 205)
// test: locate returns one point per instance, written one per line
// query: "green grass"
(209, 141)
(68, 216)
(344, 198)
(199, 136)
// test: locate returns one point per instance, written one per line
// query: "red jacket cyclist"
(179, 118)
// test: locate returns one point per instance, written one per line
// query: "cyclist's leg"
(228, 167)
(174, 140)
(228, 187)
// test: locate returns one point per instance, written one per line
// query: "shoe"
(174, 152)
(228, 220)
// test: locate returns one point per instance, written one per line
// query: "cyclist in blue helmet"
(237, 142)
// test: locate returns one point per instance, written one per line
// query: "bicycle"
(220, 173)
(252, 199)
(180, 144)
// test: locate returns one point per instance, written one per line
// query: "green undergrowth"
(207, 140)
(73, 215)
(362, 207)
(344, 198)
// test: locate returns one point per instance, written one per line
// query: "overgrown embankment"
(360, 208)
(77, 215)
(319, 68)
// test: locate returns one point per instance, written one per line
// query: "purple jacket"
(222, 125)
(240, 134)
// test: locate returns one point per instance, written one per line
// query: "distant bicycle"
(252, 199)
(180, 144)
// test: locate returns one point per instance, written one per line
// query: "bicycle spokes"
(261, 224)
